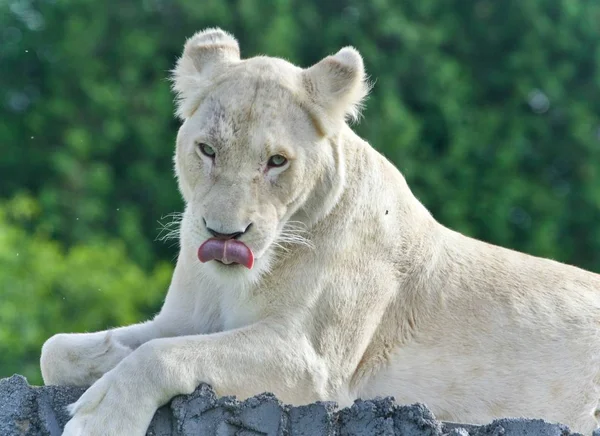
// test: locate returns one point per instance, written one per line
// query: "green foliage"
(48, 289)
(490, 109)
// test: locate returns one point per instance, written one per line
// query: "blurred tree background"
(490, 109)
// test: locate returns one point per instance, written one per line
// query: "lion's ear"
(203, 53)
(335, 87)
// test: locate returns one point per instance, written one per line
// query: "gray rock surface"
(27, 411)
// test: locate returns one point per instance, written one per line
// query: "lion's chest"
(236, 309)
(217, 309)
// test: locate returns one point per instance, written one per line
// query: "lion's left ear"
(335, 88)
(203, 55)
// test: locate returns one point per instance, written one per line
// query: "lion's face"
(254, 157)
(246, 160)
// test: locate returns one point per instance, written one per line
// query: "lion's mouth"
(226, 251)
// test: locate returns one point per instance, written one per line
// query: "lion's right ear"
(335, 88)
(203, 53)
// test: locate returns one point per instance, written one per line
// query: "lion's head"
(257, 150)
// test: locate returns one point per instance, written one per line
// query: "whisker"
(293, 233)
(169, 230)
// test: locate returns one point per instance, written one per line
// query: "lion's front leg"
(79, 359)
(242, 362)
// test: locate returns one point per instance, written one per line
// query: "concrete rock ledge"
(26, 411)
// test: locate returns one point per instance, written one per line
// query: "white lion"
(308, 269)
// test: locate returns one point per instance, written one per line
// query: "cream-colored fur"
(356, 290)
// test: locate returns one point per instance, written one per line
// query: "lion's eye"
(206, 150)
(277, 161)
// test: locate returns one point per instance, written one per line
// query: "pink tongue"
(227, 251)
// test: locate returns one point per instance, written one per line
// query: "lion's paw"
(106, 409)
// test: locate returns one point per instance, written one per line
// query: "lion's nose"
(222, 235)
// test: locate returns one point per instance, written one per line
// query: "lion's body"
(356, 290)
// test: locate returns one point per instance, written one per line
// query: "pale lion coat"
(356, 291)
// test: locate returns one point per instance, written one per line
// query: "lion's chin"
(234, 274)
(229, 266)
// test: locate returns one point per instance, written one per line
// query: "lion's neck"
(374, 199)
(364, 189)
(369, 182)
